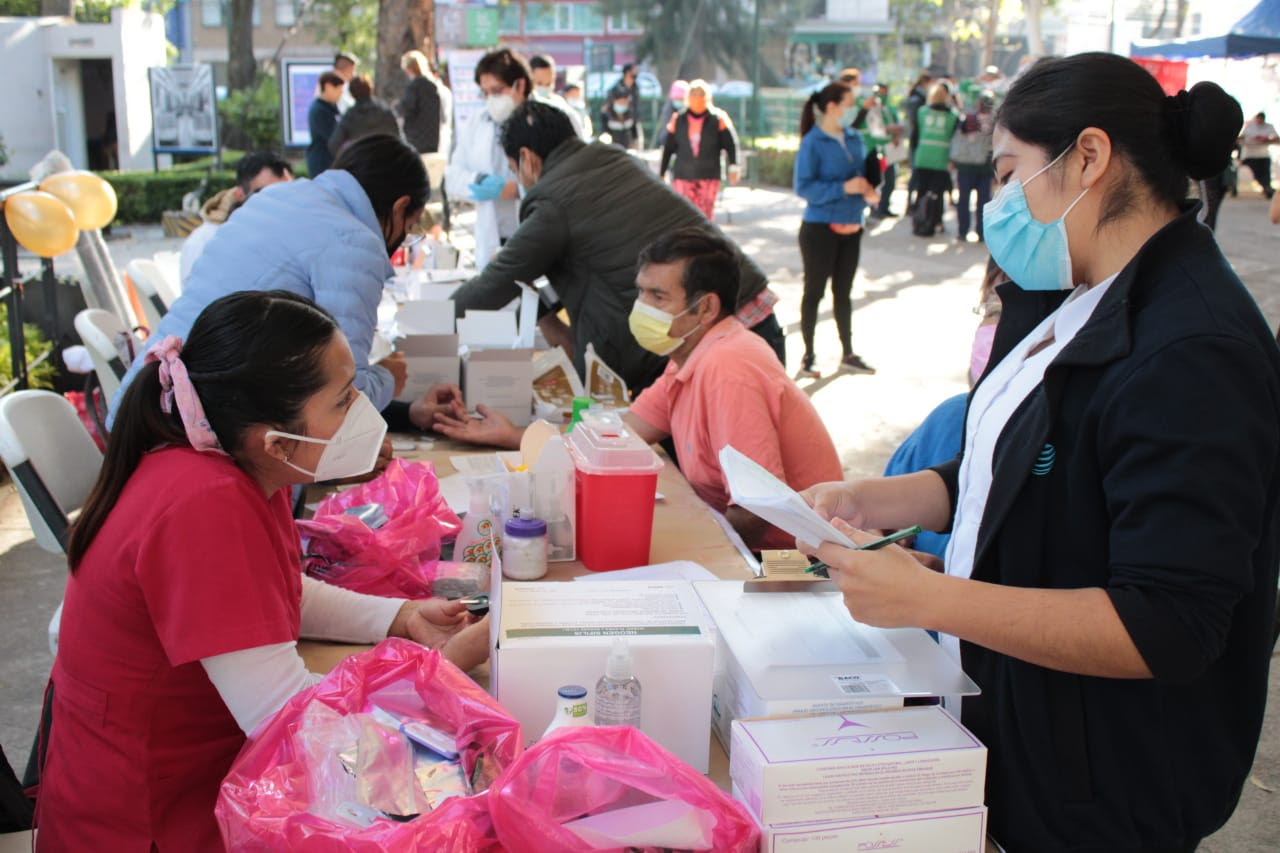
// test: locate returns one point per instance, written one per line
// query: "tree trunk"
(1181, 24)
(989, 33)
(241, 66)
(1035, 41)
(57, 8)
(1157, 29)
(403, 25)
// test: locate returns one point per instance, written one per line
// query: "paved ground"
(912, 321)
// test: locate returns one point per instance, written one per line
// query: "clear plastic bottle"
(571, 709)
(480, 531)
(618, 692)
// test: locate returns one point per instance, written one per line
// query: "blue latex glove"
(488, 189)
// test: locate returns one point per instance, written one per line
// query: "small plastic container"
(616, 478)
(524, 548)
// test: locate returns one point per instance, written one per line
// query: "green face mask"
(650, 326)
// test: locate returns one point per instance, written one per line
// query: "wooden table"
(683, 529)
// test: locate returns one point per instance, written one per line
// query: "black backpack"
(926, 216)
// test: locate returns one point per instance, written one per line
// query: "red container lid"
(602, 444)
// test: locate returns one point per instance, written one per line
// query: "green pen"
(820, 568)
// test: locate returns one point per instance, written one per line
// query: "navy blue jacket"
(1146, 464)
(322, 119)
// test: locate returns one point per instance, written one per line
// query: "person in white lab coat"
(478, 169)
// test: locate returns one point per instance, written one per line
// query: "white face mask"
(352, 450)
(543, 91)
(500, 107)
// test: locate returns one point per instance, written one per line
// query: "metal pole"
(17, 345)
(755, 74)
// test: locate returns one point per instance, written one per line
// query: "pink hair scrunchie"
(176, 387)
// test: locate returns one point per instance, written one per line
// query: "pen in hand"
(820, 569)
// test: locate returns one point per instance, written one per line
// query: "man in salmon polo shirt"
(722, 384)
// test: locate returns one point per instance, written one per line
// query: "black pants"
(1261, 168)
(834, 257)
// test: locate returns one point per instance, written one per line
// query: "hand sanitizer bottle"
(618, 692)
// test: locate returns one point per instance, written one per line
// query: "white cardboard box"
(856, 766)
(502, 379)
(787, 653)
(429, 360)
(956, 831)
(554, 634)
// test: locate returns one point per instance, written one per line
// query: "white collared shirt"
(994, 402)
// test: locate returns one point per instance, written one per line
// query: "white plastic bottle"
(571, 709)
(618, 692)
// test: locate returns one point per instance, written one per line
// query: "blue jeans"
(972, 180)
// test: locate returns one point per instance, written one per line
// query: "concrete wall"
(46, 111)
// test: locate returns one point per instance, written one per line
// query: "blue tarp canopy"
(1255, 34)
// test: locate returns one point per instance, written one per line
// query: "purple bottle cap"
(525, 528)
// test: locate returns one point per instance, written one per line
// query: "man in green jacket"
(588, 211)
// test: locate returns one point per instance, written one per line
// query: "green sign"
(482, 26)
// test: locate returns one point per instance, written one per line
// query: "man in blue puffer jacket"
(327, 239)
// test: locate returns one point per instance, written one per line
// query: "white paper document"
(678, 570)
(755, 489)
(495, 329)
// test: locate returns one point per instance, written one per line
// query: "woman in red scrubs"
(186, 596)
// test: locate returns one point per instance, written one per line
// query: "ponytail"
(807, 114)
(140, 426)
(832, 93)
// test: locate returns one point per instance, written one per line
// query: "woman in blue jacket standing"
(830, 176)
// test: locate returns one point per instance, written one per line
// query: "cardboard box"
(957, 831)
(430, 359)
(856, 766)
(502, 379)
(786, 653)
(553, 634)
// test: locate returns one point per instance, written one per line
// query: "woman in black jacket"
(698, 137)
(366, 117)
(1111, 575)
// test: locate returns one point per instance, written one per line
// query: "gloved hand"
(488, 189)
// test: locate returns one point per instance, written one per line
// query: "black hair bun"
(1203, 126)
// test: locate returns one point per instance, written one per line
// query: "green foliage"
(86, 11)
(775, 160)
(36, 344)
(144, 196)
(19, 8)
(4, 152)
(250, 118)
(350, 25)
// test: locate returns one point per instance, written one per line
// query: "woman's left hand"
(430, 622)
(886, 588)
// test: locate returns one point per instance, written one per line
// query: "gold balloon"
(91, 199)
(41, 223)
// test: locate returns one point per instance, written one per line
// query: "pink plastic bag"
(399, 558)
(275, 795)
(583, 772)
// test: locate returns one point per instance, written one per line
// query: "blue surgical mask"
(1032, 253)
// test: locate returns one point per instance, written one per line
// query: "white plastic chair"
(99, 330)
(154, 290)
(53, 463)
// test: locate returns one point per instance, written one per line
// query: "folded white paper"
(755, 489)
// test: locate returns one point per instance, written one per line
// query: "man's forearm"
(1071, 630)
